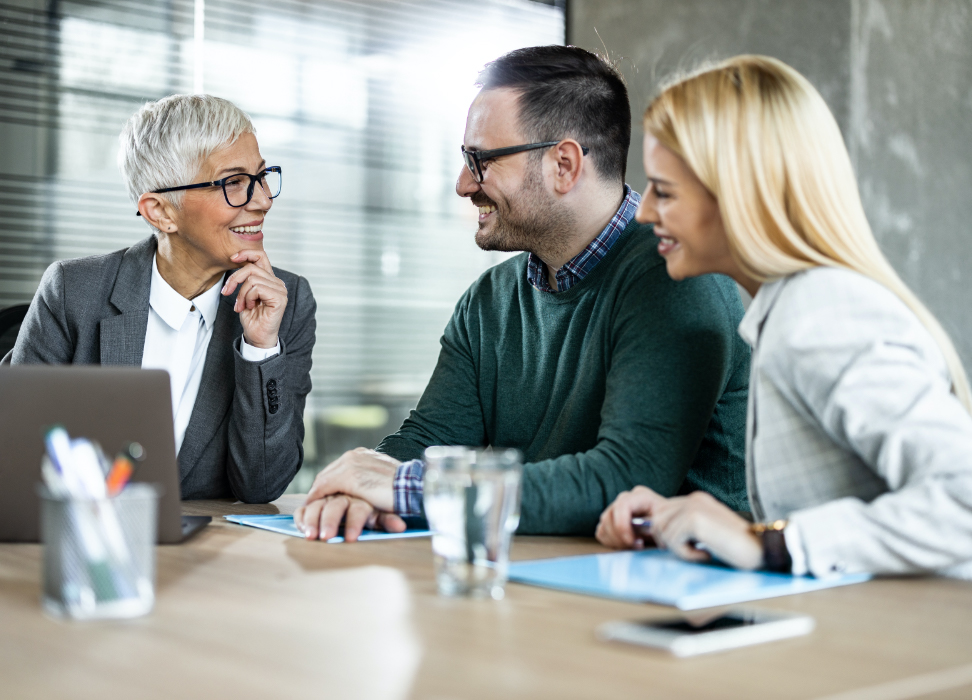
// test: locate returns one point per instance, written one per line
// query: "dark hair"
(567, 92)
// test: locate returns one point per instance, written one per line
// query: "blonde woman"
(859, 436)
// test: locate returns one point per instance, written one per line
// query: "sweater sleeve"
(449, 412)
(672, 352)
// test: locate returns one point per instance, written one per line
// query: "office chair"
(10, 320)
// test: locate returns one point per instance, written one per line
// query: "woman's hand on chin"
(262, 298)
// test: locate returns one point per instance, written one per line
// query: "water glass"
(472, 502)
(99, 554)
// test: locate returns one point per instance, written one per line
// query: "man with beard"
(582, 353)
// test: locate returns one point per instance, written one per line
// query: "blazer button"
(273, 408)
(272, 384)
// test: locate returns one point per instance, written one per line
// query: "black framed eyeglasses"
(238, 188)
(476, 159)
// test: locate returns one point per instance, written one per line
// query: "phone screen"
(723, 622)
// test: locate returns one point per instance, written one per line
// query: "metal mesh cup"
(99, 555)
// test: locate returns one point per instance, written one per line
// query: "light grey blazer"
(852, 432)
(95, 310)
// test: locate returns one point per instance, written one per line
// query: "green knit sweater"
(626, 378)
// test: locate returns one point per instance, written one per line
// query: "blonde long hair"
(762, 140)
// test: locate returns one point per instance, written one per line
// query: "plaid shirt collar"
(575, 269)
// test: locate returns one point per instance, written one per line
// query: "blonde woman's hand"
(698, 527)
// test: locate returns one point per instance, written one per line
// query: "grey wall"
(896, 73)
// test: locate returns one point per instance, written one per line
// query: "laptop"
(113, 405)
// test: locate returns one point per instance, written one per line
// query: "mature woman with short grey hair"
(198, 298)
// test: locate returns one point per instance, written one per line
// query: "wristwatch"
(776, 557)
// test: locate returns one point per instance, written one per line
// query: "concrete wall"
(896, 73)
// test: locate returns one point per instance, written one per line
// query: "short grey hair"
(165, 142)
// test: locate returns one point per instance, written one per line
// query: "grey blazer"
(94, 310)
(853, 433)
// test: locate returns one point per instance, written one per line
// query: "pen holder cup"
(99, 554)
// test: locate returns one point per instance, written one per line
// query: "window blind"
(363, 105)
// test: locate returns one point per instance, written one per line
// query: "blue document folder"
(284, 524)
(657, 576)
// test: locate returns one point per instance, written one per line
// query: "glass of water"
(472, 502)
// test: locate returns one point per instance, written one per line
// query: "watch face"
(760, 528)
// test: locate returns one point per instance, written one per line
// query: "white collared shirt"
(177, 339)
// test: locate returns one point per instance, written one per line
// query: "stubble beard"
(529, 220)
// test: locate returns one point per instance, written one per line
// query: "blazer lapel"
(123, 336)
(215, 388)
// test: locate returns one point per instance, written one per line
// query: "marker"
(118, 476)
(123, 468)
(87, 469)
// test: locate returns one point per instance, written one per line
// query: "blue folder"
(284, 524)
(658, 576)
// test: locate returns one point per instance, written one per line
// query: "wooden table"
(243, 613)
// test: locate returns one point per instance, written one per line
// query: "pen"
(52, 479)
(641, 526)
(642, 529)
(58, 447)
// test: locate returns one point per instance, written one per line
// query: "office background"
(363, 104)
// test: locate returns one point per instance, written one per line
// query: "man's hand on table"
(356, 487)
(321, 518)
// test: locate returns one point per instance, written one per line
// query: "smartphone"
(708, 632)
